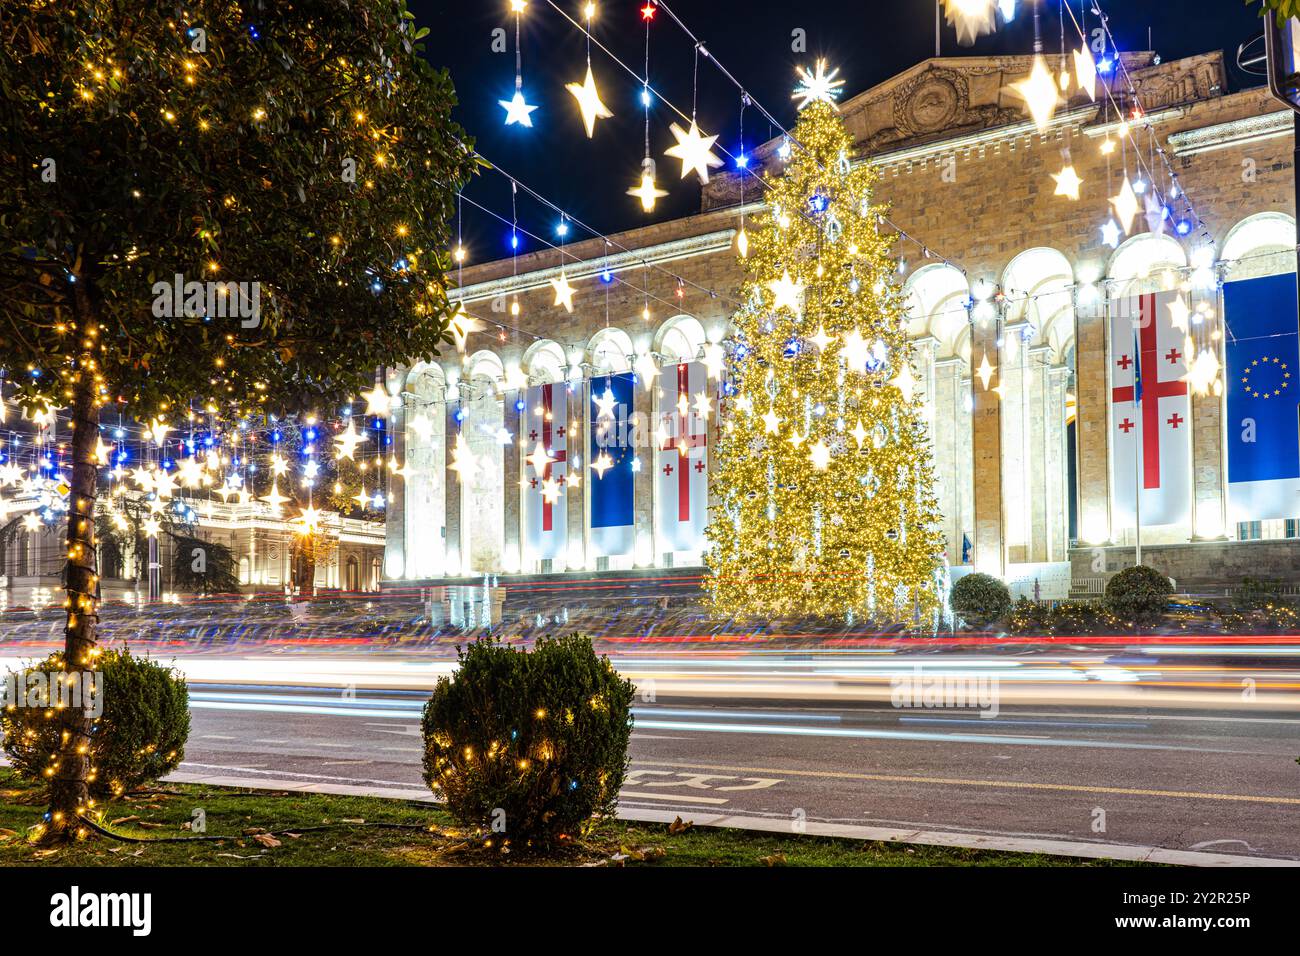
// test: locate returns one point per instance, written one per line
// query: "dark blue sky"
(869, 40)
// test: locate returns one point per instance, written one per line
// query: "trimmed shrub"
(1082, 618)
(980, 599)
(529, 745)
(137, 738)
(1138, 594)
(1029, 617)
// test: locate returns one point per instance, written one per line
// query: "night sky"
(869, 40)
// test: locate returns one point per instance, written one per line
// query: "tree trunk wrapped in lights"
(824, 467)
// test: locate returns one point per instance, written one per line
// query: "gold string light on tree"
(824, 470)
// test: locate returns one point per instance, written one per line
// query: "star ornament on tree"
(589, 102)
(694, 150)
(817, 87)
(787, 293)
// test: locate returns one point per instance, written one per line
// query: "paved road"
(1174, 777)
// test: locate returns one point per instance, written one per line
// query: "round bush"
(980, 599)
(138, 737)
(529, 745)
(1139, 593)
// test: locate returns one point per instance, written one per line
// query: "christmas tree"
(825, 477)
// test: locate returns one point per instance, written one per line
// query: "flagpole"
(1140, 446)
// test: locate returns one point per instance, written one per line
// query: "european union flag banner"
(1263, 353)
(611, 453)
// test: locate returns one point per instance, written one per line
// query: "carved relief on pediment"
(935, 101)
(1161, 87)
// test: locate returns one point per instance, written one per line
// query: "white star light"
(589, 102)
(905, 382)
(190, 473)
(602, 464)
(378, 401)
(787, 293)
(1067, 182)
(985, 371)
(275, 499)
(695, 151)
(1085, 70)
(163, 484)
(771, 422)
(647, 192)
(715, 359)
(517, 111)
(647, 370)
(821, 339)
(563, 292)
(817, 87)
(605, 403)
(1110, 233)
(1040, 94)
(462, 460)
(461, 325)
(347, 443)
(1179, 314)
(539, 459)
(1125, 204)
(820, 455)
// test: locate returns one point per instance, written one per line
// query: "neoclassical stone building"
(1011, 334)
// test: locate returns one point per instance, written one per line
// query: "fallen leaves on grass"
(266, 840)
(776, 859)
(677, 826)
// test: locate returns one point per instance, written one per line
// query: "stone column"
(455, 547)
(395, 504)
(1092, 426)
(576, 499)
(1057, 462)
(511, 491)
(948, 424)
(986, 450)
(1209, 461)
(645, 541)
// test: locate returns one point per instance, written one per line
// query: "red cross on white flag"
(1150, 413)
(683, 456)
(544, 425)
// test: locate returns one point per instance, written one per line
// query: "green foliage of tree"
(529, 746)
(217, 142)
(1282, 9)
(203, 567)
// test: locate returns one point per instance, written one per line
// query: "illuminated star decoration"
(605, 403)
(1179, 314)
(539, 459)
(1085, 70)
(309, 519)
(190, 473)
(821, 339)
(461, 325)
(786, 292)
(517, 110)
(817, 87)
(275, 499)
(820, 455)
(589, 102)
(1067, 182)
(361, 498)
(602, 464)
(647, 192)
(563, 292)
(970, 19)
(163, 484)
(1039, 92)
(1125, 204)
(347, 443)
(715, 359)
(772, 422)
(550, 490)
(463, 461)
(647, 370)
(378, 401)
(905, 382)
(1110, 233)
(695, 151)
(985, 371)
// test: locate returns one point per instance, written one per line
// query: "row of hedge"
(1135, 596)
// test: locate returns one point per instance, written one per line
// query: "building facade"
(1011, 293)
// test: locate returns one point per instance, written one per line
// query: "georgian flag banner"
(545, 471)
(610, 479)
(1263, 355)
(682, 456)
(1150, 413)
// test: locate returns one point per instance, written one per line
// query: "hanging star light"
(986, 371)
(715, 360)
(463, 461)
(859, 434)
(309, 520)
(1085, 71)
(703, 405)
(158, 432)
(461, 325)
(1067, 182)
(563, 292)
(694, 150)
(1204, 372)
(820, 455)
(361, 498)
(1125, 204)
(550, 491)
(589, 102)
(970, 18)
(1179, 313)
(647, 370)
(602, 464)
(539, 459)
(422, 426)
(1040, 94)
(517, 110)
(647, 191)
(1110, 233)
(818, 86)
(772, 422)
(378, 401)
(605, 403)
(275, 499)
(821, 339)
(31, 521)
(787, 293)
(347, 443)
(163, 484)
(102, 451)
(279, 465)
(143, 478)
(190, 473)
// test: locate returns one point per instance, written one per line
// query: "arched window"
(1260, 245)
(352, 574)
